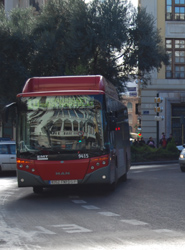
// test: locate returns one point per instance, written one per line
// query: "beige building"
(131, 99)
(131, 103)
(169, 83)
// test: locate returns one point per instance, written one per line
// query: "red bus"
(71, 130)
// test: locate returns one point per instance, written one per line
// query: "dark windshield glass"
(62, 127)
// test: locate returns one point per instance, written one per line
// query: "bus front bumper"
(26, 179)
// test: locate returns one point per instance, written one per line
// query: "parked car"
(180, 147)
(7, 155)
(182, 160)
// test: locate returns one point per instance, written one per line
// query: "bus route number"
(83, 156)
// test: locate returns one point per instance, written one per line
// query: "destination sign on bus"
(59, 102)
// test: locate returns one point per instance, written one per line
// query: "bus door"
(113, 154)
(120, 150)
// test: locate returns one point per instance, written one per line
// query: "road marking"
(4, 197)
(12, 237)
(2, 200)
(9, 193)
(79, 201)
(44, 230)
(135, 222)
(27, 247)
(108, 214)
(72, 228)
(90, 207)
(168, 232)
(7, 189)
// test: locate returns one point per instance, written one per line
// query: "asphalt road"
(146, 212)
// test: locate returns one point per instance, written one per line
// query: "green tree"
(146, 50)
(114, 40)
(72, 37)
(109, 23)
(15, 50)
(50, 35)
(75, 38)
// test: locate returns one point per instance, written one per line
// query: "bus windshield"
(61, 127)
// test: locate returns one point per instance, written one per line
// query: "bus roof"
(69, 83)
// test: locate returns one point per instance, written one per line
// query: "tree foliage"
(148, 51)
(15, 50)
(73, 38)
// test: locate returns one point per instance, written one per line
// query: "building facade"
(169, 82)
(132, 104)
(131, 99)
(10, 4)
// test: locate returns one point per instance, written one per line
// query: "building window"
(176, 50)
(169, 9)
(175, 10)
(178, 125)
(130, 119)
(129, 106)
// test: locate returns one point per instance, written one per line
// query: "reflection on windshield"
(61, 130)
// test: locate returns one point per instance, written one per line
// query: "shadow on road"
(7, 174)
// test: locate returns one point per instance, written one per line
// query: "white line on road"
(168, 232)
(44, 230)
(73, 228)
(79, 201)
(90, 207)
(135, 222)
(108, 214)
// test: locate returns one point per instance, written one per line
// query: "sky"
(134, 2)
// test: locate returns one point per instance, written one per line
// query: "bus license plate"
(63, 182)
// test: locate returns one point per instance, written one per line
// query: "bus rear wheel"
(124, 176)
(37, 190)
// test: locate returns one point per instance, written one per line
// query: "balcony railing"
(175, 75)
(175, 17)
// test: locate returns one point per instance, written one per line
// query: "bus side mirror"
(5, 111)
